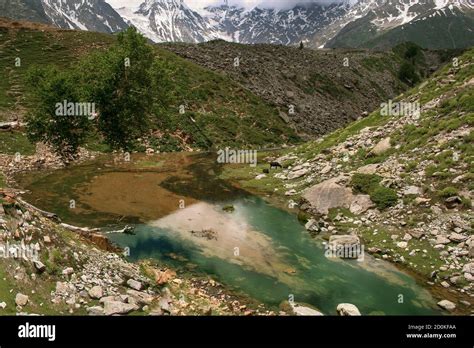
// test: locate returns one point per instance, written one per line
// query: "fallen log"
(44, 213)
(11, 125)
(127, 230)
(80, 229)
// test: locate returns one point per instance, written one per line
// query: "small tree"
(64, 132)
(407, 73)
(301, 45)
(120, 82)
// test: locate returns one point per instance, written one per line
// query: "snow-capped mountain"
(173, 20)
(94, 15)
(262, 25)
(343, 23)
(430, 23)
(169, 20)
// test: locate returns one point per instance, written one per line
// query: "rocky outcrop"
(332, 193)
(328, 194)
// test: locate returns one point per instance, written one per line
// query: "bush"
(448, 192)
(365, 183)
(383, 197)
(407, 74)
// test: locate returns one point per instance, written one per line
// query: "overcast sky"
(244, 3)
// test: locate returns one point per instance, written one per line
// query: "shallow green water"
(276, 258)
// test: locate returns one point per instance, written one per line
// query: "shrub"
(365, 183)
(407, 74)
(448, 192)
(383, 197)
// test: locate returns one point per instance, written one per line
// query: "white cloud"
(244, 3)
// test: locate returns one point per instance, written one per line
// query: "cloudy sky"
(244, 3)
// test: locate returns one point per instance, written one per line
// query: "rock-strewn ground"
(327, 88)
(65, 272)
(402, 183)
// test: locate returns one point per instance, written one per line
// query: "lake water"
(176, 201)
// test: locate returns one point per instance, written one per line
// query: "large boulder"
(344, 246)
(347, 309)
(360, 204)
(328, 194)
(381, 147)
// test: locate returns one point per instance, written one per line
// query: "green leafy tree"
(408, 74)
(120, 81)
(49, 123)
(125, 83)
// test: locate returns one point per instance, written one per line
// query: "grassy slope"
(418, 147)
(224, 111)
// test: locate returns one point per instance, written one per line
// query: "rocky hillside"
(315, 91)
(216, 109)
(399, 181)
(56, 269)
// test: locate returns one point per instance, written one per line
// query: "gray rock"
(297, 173)
(40, 267)
(328, 194)
(360, 204)
(442, 240)
(21, 300)
(381, 147)
(300, 310)
(412, 190)
(448, 305)
(96, 292)
(347, 309)
(141, 298)
(96, 310)
(345, 246)
(457, 237)
(468, 268)
(117, 307)
(135, 284)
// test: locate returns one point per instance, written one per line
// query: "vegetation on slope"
(225, 113)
